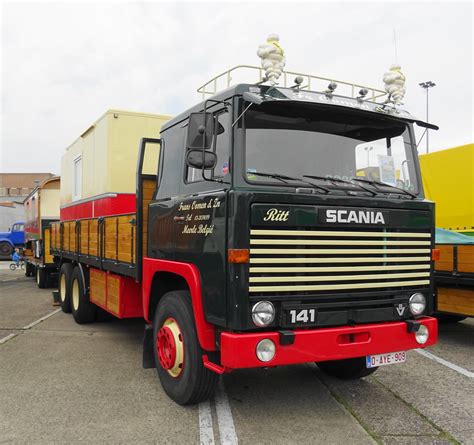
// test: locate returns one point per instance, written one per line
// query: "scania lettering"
(238, 241)
(357, 217)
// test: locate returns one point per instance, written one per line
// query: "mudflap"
(56, 301)
(148, 353)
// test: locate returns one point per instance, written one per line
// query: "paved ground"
(62, 382)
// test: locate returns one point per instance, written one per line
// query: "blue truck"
(15, 237)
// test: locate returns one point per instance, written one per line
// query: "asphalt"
(64, 382)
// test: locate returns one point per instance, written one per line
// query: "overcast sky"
(64, 64)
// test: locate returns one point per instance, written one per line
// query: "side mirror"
(198, 159)
(200, 131)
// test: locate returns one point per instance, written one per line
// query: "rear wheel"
(348, 369)
(82, 309)
(12, 266)
(64, 287)
(6, 248)
(178, 355)
(41, 277)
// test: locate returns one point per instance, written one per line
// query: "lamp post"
(427, 85)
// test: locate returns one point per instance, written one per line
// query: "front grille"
(295, 261)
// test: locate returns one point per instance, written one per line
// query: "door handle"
(178, 218)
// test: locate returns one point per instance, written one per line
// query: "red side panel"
(317, 345)
(101, 206)
(205, 330)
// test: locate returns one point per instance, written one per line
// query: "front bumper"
(317, 345)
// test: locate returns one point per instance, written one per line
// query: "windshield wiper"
(372, 182)
(285, 179)
(343, 181)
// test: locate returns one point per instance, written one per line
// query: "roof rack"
(310, 82)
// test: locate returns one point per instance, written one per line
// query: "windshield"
(328, 142)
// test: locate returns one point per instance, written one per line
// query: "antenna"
(395, 44)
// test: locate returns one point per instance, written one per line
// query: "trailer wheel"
(82, 309)
(348, 369)
(41, 277)
(5, 248)
(64, 287)
(178, 355)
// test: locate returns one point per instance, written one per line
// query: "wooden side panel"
(120, 238)
(48, 258)
(69, 236)
(94, 237)
(456, 301)
(466, 258)
(445, 262)
(149, 186)
(98, 293)
(84, 236)
(55, 235)
(113, 294)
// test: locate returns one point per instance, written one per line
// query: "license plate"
(391, 358)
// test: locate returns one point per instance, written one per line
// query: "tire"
(82, 309)
(348, 369)
(12, 266)
(22, 265)
(178, 355)
(29, 270)
(447, 318)
(6, 249)
(64, 286)
(41, 277)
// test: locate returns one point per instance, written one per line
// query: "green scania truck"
(282, 226)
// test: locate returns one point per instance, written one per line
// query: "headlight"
(263, 313)
(265, 350)
(422, 334)
(417, 303)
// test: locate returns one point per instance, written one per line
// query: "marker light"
(417, 303)
(265, 350)
(422, 335)
(263, 313)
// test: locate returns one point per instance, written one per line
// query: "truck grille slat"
(281, 260)
(281, 279)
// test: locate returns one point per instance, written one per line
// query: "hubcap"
(62, 288)
(75, 295)
(170, 347)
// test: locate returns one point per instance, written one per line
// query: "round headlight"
(265, 350)
(417, 303)
(263, 313)
(422, 334)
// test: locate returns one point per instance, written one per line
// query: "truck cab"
(15, 237)
(304, 217)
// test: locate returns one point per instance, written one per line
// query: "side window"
(222, 150)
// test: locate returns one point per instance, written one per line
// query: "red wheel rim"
(170, 347)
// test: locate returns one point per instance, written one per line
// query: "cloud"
(64, 64)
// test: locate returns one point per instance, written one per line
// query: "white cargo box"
(101, 164)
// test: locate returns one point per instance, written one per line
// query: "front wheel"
(348, 369)
(178, 355)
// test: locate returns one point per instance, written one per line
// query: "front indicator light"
(422, 335)
(265, 350)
